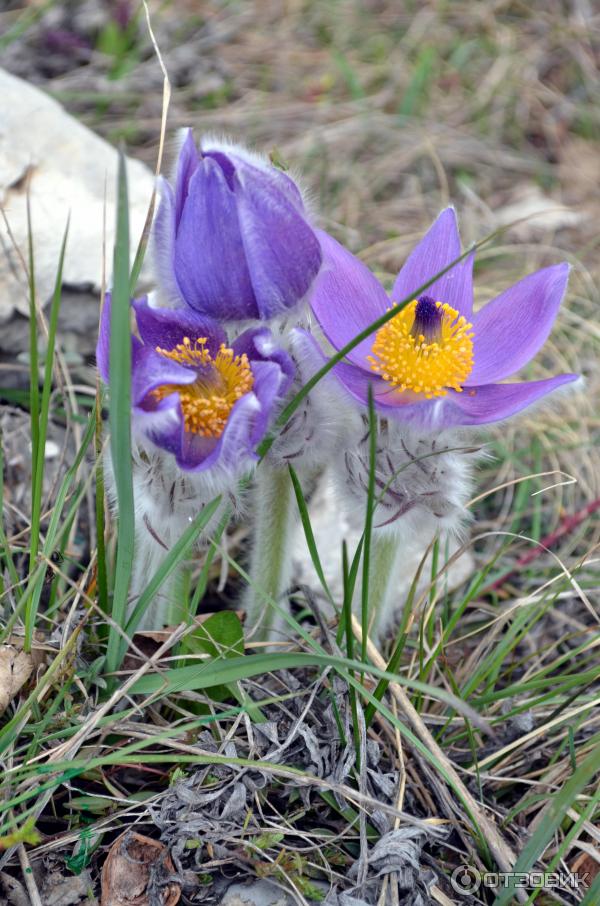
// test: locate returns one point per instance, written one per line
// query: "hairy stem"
(383, 576)
(270, 570)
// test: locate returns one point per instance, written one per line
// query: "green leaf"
(268, 839)
(221, 635)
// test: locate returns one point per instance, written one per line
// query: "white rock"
(69, 168)
(256, 893)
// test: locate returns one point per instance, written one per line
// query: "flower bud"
(232, 239)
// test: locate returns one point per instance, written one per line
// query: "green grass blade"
(120, 420)
(394, 661)
(350, 577)
(203, 675)
(34, 390)
(349, 634)
(202, 583)
(101, 574)
(4, 543)
(364, 609)
(561, 802)
(41, 434)
(176, 554)
(308, 532)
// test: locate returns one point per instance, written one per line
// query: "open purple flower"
(206, 402)
(232, 239)
(436, 363)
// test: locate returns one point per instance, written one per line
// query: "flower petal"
(346, 299)
(283, 253)
(187, 163)
(259, 345)
(210, 258)
(166, 327)
(511, 328)
(494, 402)
(103, 345)
(232, 157)
(354, 379)
(438, 248)
(233, 451)
(150, 370)
(163, 244)
(270, 384)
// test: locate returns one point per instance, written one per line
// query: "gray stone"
(69, 170)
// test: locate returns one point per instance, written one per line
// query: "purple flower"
(232, 239)
(193, 394)
(436, 363)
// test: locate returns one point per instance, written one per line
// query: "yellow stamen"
(221, 381)
(409, 362)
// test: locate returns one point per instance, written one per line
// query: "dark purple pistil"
(428, 320)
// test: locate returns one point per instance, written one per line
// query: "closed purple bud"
(232, 239)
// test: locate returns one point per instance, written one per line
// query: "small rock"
(61, 888)
(257, 893)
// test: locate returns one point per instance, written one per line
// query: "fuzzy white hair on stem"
(167, 499)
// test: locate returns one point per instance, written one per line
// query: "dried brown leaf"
(15, 669)
(135, 866)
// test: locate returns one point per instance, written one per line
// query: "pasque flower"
(195, 395)
(436, 364)
(232, 239)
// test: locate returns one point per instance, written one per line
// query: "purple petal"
(103, 345)
(234, 448)
(270, 384)
(438, 248)
(167, 327)
(235, 158)
(347, 298)
(187, 163)
(150, 370)
(259, 345)
(167, 432)
(163, 243)
(511, 328)
(283, 253)
(493, 402)
(210, 259)
(354, 379)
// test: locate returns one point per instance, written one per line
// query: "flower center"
(426, 348)
(220, 382)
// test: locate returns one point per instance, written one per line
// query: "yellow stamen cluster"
(409, 361)
(221, 381)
